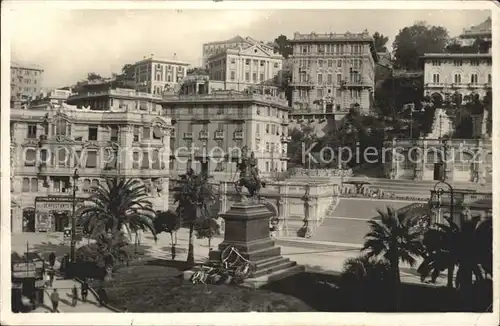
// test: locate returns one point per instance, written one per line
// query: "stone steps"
(257, 282)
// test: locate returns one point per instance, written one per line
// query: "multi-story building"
(481, 31)
(239, 68)
(332, 73)
(154, 75)
(100, 133)
(211, 48)
(25, 81)
(211, 128)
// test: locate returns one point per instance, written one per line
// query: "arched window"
(26, 185)
(86, 185)
(95, 184)
(457, 79)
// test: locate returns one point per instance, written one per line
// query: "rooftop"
(236, 39)
(328, 37)
(162, 60)
(456, 55)
(25, 66)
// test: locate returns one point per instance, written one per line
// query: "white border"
(8, 318)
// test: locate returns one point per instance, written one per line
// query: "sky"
(70, 43)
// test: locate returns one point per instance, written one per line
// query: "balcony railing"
(188, 135)
(219, 134)
(229, 96)
(204, 134)
(286, 139)
(238, 135)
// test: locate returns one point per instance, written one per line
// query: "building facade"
(100, 134)
(211, 128)
(332, 73)
(25, 81)
(243, 67)
(481, 31)
(212, 48)
(454, 160)
(153, 75)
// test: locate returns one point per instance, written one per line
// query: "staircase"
(417, 188)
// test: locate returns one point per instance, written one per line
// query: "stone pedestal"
(247, 229)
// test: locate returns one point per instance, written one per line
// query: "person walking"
(52, 259)
(54, 298)
(74, 296)
(51, 277)
(85, 290)
(101, 293)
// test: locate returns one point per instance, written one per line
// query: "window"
(155, 160)
(114, 133)
(435, 78)
(474, 63)
(30, 157)
(457, 63)
(254, 77)
(262, 63)
(34, 185)
(233, 60)
(473, 79)
(91, 159)
(436, 62)
(320, 78)
(258, 128)
(320, 92)
(136, 134)
(60, 127)
(157, 133)
(261, 77)
(92, 132)
(330, 79)
(247, 76)
(339, 92)
(330, 63)
(339, 78)
(339, 63)
(276, 65)
(31, 130)
(145, 161)
(320, 63)
(247, 62)
(267, 128)
(233, 75)
(26, 185)
(457, 79)
(146, 133)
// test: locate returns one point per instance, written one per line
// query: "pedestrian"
(101, 293)
(51, 277)
(54, 298)
(47, 278)
(74, 296)
(52, 259)
(85, 290)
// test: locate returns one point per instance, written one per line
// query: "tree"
(207, 228)
(380, 41)
(93, 76)
(394, 239)
(169, 222)
(196, 201)
(126, 69)
(412, 42)
(197, 71)
(363, 279)
(301, 140)
(283, 46)
(469, 247)
(116, 204)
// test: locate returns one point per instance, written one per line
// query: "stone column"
(394, 162)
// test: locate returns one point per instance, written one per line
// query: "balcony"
(200, 119)
(257, 136)
(285, 121)
(188, 135)
(303, 83)
(236, 118)
(238, 135)
(203, 135)
(219, 134)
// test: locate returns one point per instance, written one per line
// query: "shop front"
(53, 213)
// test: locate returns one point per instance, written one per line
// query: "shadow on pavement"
(178, 264)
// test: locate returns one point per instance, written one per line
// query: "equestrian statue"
(248, 174)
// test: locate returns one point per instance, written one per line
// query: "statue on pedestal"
(249, 174)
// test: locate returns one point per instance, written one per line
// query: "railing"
(321, 172)
(116, 92)
(188, 135)
(203, 134)
(227, 97)
(331, 36)
(219, 134)
(238, 135)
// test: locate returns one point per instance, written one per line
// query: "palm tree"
(118, 204)
(394, 239)
(197, 201)
(469, 247)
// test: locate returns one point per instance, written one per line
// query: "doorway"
(61, 221)
(438, 171)
(29, 220)
(204, 168)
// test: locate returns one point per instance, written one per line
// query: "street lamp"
(73, 219)
(439, 189)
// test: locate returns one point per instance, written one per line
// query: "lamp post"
(439, 189)
(73, 219)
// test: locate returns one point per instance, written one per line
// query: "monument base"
(247, 230)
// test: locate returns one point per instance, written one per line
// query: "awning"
(157, 132)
